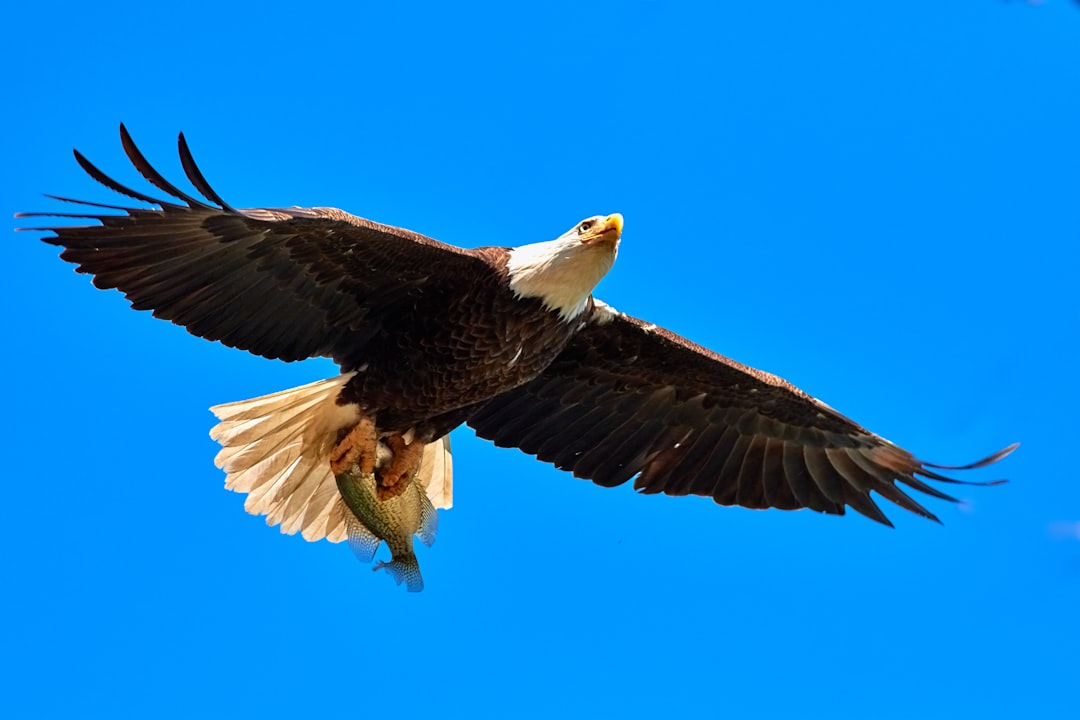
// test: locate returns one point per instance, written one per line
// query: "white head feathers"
(564, 271)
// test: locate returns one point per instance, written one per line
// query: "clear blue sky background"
(877, 201)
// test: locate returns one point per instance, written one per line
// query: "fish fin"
(362, 541)
(404, 568)
(429, 522)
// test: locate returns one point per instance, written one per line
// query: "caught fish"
(394, 521)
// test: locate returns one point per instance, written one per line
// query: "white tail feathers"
(276, 448)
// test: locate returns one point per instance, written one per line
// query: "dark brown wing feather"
(285, 283)
(629, 399)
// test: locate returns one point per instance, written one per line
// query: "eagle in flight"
(428, 336)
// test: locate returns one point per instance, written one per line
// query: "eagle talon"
(402, 467)
(358, 446)
(396, 443)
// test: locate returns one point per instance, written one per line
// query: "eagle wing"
(627, 398)
(288, 283)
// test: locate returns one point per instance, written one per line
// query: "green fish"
(393, 521)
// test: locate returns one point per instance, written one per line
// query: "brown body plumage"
(430, 336)
(470, 341)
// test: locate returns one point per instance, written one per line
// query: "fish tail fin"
(276, 449)
(404, 569)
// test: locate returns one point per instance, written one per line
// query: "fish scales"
(394, 521)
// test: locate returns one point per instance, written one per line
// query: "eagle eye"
(585, 226)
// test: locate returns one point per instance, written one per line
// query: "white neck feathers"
(562, 273)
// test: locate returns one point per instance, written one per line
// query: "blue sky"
(876, 201)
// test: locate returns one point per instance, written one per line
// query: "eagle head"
(563, 272)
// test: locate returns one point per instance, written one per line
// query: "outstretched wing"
(627, 398)
(287, 283)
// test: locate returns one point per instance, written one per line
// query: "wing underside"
(629, 400)
(287, 283)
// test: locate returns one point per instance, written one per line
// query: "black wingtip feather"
(153, 176)
(89, 203)
(863, 504)
(989, 460)
(895, 495)
(916, 483)
(90, 169)
(195, 176)
(953, 481)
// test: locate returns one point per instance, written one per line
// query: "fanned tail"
(436, 473)
(276, 448)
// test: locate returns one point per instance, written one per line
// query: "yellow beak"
(613, 222)
(607, 231)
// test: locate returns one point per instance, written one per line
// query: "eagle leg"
(403, 466)
(358, 446)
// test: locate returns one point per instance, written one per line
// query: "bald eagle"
(508, 340)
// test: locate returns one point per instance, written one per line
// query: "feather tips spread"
(287, 283)
(628, 399)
